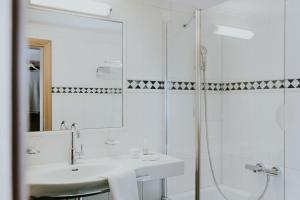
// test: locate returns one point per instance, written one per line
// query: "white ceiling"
(199, 3)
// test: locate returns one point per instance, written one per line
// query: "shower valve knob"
(255, 168)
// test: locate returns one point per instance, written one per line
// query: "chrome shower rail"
(197, 117)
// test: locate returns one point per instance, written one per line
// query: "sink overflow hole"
(75, 170)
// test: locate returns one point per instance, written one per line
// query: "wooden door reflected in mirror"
(40, 84)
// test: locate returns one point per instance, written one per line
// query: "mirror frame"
(46, 47)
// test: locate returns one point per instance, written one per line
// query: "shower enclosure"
(225, 69)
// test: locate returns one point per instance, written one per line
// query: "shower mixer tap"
(260, 168)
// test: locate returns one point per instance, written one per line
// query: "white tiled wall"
(88, 110)
(292, 136)
(249, 121)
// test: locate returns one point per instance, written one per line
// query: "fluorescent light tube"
(234, 32)
(91, 7)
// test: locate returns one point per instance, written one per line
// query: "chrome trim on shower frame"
(165, 108)
(198, 61)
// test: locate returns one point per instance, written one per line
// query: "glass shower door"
(180, 101)
(242, 136)
(245, 90)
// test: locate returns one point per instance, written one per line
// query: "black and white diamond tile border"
(145, 84)
(212, 86)
(181, 85)
(231, 86)
(184, 86)
(159, 85)
(254, 85)
(292, 83)
(85, 90)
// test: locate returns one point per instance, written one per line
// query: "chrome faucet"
(73, 152)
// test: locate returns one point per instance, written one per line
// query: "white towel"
(123, 185)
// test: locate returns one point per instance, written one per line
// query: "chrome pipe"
(197, 103)
(190, 20)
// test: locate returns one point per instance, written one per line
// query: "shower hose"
(209, 153)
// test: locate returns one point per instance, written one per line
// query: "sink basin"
(68, 180)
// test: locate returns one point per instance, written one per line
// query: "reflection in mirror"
(40, 95)
(75, 66)
(35, 110)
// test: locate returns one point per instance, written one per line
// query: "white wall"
(5, 99)
(292, 70)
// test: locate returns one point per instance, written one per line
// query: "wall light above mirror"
(65, 83)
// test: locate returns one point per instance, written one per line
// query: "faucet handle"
(64, 125)
(74, 126)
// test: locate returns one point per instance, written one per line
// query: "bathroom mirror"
(75, 66)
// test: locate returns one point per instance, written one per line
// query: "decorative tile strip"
(254, 85)
(213, 86)
(145, 84)
(292, 83)
(84, 90)
(185, 86)
(160, 85)
(181, 85)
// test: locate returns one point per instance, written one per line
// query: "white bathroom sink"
(68, 180)
(90, 177)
